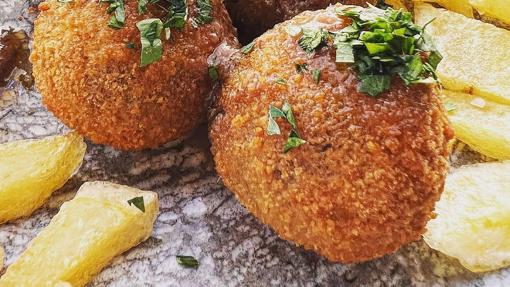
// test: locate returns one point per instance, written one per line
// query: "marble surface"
(199, 217)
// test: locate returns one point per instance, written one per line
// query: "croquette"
(365, 181)
(90, 75)
(252, 18)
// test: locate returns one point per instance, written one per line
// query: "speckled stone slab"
(199, 217)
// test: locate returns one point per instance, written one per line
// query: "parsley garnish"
(119, 17)
(142, 6)
(137, 202)
(213, 73)
(204, 13)
(130, 45)
(300, 68)
(248, 48)
(312, 39)
(187, 261)
(294, 140)
(316, 74)
(177, 15)
(280, 81)
(382, 44)
(152, 47)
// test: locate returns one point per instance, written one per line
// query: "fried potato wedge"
(88, 231)
(459, 6)
(476, 54)
(2, 257)
(473, 222)
(482, 124)
(493, 10)
(31, 170)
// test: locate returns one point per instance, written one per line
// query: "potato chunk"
(460, 6)
(473, 222)
(476, 54)
(482, 124)
(88, 231)
(31, 170)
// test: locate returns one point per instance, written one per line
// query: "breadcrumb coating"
(93, 82)
(366, 181)
(254, 17)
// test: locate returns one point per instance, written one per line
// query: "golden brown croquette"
(367, 178)
(253, 18)
(90, 76)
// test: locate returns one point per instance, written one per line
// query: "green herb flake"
(213, 73)
(178, 14)
(130, 45)
(312, 39)
(142, 6)
(382, 44)
(137, 202)
(187, 261)
(280, 81)
(204, 13)
(248, 48)
(152, 47)
(301, 68)
(117, 7)
(316, 74)
(374, 84)
(294, 140)
(344, 53)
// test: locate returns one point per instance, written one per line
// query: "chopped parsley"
(137, 202)
(187, 261)
(152, 47)
(280, 81)
(119, 17)
(300, 68)
(248, 48)
(130, 45)
(313, 39)
(178, 14)
(384, 43)
(294, 140)
(213, 73)
(316, 74)
(142, 6)
(204, 13)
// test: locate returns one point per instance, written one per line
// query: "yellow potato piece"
(473, 218)
(2, 258)
(476, 54)
(482, 124)
(88, 231)
(459, 6)
(498, 10)
(31, 170)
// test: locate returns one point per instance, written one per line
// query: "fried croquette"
(91, 77)
(365, 181)
(252, 18)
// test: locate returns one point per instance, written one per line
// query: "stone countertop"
(199, 217)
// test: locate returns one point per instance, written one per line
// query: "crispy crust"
(254, 17)
(366, 181)
(93, 83)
